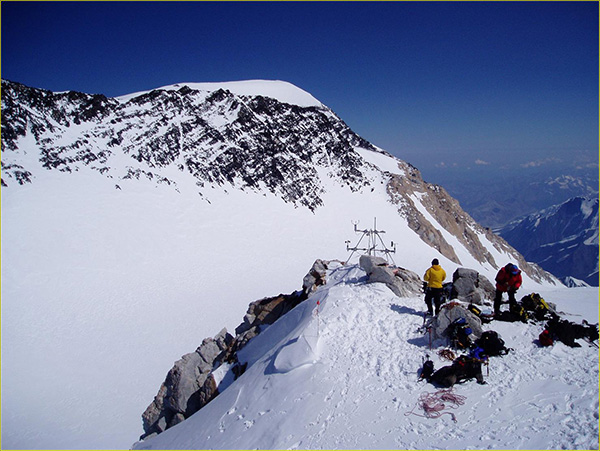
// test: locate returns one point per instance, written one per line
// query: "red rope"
(434, 404)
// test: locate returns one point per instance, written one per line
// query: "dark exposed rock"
(470, 286)
(262, 142)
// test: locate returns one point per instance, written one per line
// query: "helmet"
(513, 269)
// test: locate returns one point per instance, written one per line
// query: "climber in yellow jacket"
(434, 277)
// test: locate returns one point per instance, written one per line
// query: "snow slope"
(342, 374)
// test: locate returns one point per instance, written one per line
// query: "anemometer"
(373, 241)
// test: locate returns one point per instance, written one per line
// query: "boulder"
(186, 386)
(402, 282)
(449, 313)
(315, 277)
(153, 417)
(268, 310)
(470, 286)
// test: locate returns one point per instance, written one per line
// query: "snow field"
(103, 289)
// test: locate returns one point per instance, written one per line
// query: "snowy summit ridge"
(340, 371)
(282, 91)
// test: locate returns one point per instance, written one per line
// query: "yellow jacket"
(434, 276)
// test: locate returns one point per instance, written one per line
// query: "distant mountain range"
(495, 196)
(563, 239)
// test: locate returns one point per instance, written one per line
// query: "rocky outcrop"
(402, 282)
(470, 286)
(190, 384)
(315, 277)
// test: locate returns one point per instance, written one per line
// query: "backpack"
(519, 312)
(492, 344)
(427, 370)
(564, 331)
(458, 332)
(535, 303)
(484, 317)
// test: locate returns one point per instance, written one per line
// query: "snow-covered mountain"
(135, 227)
(227, 136)
(563, 239)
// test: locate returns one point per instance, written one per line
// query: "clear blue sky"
(429, 82)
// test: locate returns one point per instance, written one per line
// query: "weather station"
(374, 243)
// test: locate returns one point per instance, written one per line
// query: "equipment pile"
(479, 347)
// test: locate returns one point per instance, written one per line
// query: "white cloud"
(535, 164)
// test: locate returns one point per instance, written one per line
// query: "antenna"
(373, 240)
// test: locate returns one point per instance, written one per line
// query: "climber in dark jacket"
(508, 280)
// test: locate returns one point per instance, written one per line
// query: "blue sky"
(433, 83)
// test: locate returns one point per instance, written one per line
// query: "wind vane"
(373, 241)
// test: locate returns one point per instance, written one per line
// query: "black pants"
(498, 299)
(435, 295)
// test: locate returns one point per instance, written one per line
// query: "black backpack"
(518, 311)
(458, 332)
(492, 344)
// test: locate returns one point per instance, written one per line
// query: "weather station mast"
(374, 241)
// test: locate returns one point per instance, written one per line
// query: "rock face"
(188, 385)
(409, 190)
(470, 286)
(401, 281)
(215, 137)
(315, 277)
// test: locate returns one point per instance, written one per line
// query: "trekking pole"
(429, 329)
(318, 322)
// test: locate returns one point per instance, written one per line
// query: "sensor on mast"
(373, 241)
